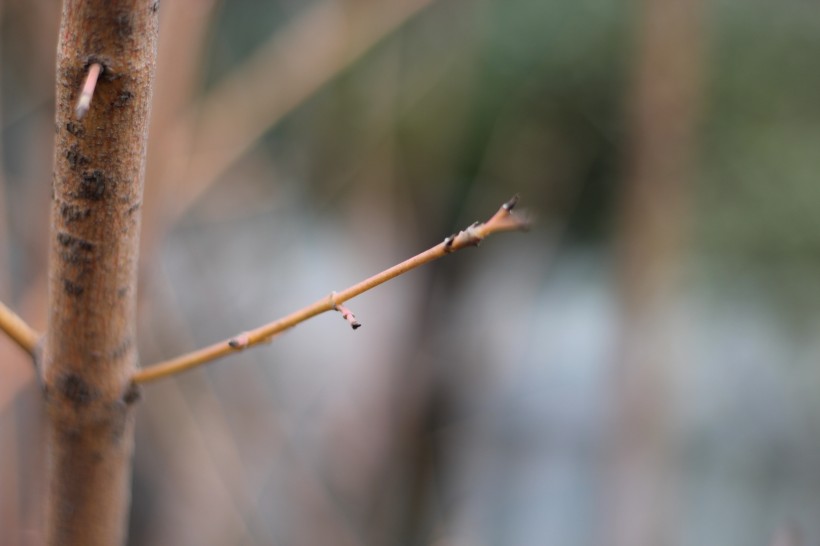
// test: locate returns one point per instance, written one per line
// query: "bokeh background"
(639, 369)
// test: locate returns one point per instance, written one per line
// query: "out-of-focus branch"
(662, 118)
(275, 80)
(503, 220)
(182, 43)
(16, 328)
(788, 534)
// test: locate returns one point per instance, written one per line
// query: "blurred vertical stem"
(5, 272)
(90, 354)
(662, 116)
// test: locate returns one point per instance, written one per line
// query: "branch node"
(471, 236)
(448, 243)
(240, 342)
(84, 103)
(348, 315)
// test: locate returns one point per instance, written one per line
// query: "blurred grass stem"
(231, 118)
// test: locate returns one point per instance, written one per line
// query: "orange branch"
(17, 329)
(503, 220)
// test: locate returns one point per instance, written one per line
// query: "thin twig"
(17, 329)
(84, 103)
(347, 314)
(503, 220)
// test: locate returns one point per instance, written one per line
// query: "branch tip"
(510, 205)
(505, 220)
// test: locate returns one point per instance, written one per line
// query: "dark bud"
(509, 205)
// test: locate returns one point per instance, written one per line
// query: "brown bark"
(89, 352)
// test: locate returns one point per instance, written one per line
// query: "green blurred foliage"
(469, 98)
(760, 134)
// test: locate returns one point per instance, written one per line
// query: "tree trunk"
(89, 352)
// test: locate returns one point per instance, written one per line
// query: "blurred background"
(639, 369)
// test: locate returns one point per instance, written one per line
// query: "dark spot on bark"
(74, 243)
(75, 258)
(124, 25)
(92, 186)
(123, 98)
(121, 349)
(70, 434)
(72, 288)
(76, 390)
(132, 394)
(155, 6)
(72, 213)
(75, 158)
(75, 129)
(75, 251)
(133, 208)
(122, 292)
(108, 75)
(68, 78)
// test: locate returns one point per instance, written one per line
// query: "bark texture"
(89, 353)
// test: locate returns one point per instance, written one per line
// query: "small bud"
(509, 205)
